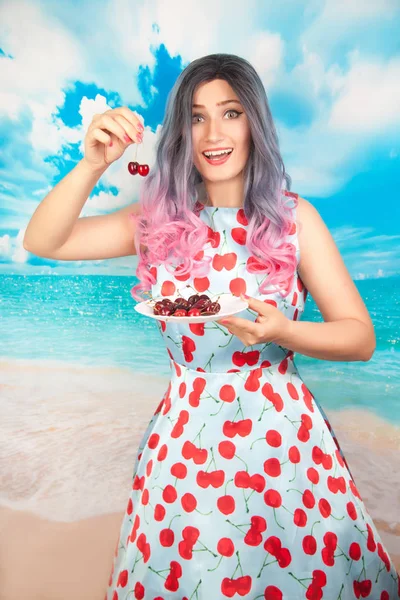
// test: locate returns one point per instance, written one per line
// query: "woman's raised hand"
(109, 134)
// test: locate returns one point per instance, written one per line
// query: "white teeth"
(217, 153)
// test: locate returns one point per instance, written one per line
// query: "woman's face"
(224, 126)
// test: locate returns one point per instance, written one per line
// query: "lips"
(218, 161)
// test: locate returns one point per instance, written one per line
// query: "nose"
(213, 131)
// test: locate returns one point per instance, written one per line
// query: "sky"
(330, 68)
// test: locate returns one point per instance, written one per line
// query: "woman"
(240, 488)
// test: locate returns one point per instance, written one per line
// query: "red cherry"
(133, 168)
(143, 170)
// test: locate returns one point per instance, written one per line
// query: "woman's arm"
(53, 220)
(347, 332)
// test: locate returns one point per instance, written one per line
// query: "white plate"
(230, 305)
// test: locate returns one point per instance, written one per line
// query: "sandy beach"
(69, 440)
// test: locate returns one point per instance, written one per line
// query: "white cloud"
(11, 248)
(43, 57)
(331, 23)
(369, 99)
(5, 245)
(265, 52)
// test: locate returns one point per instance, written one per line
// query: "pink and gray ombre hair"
(168, 231)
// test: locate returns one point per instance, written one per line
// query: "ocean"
(89, 320)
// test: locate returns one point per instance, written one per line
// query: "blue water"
(90, 320)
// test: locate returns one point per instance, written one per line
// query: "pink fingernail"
(140, 126)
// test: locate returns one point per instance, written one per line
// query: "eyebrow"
(218, 103)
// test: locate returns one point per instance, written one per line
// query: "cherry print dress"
(240, 488)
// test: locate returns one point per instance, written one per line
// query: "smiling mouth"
(219, 158)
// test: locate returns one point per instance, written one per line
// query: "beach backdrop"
(81, 372)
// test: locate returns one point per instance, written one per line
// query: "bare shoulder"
(322, 268)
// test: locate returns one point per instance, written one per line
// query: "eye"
(199, 116)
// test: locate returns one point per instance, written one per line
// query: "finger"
(101, 136)
(244, 325)
(131, 117)
(259, 305)
(109, 123)
(133, 133)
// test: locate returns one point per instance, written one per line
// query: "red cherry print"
(309, 544)
(153, 440)
(257, 482)
(169, 494)
(371, 545)
(383, 556)
(179, 470)
(139, 591)
(271, 592)
(242, 479)
(324, 507)
(327, 461)
(227, 449)
(159, 512)
(149, 467)
(313, 475)
(226, 504)
(214, 237)
(239, 358)
(241, 217)
(313, 592)
(355, 551)
(273, 498)
(201, 284)
(308, 499)
(362, 589)
(254, 265)
(224, 261)
(273, 438)
(145, 497)
(272, 467)
(237, 286)
(230, 260)
(162, 453)
(227, 393)
(167, 537)
(273, 545)
(130, 507)
(330, 539)
(199, 255)
(284, 558)
(283, 367)
(319, 578)
(354, 489)
(339, 458)
(225, 547)
(196, 328)
(317, 455)
(168, 288)
(300, 517)
(294, 455)
(307, 397)
(292, 391)
(122, 578)
(188, 502)
(239, 235)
